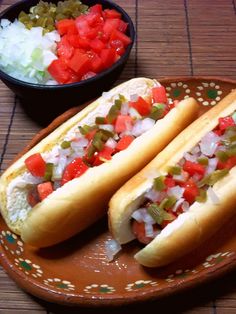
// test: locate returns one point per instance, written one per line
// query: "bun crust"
(191, 228)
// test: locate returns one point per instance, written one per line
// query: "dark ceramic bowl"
(44, 102)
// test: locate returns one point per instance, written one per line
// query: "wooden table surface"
(174, 38)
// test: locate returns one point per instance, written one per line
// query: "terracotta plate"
(76, 272)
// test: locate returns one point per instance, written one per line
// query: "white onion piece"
(112, 247)
(134, 97)
(106, 127)
(124, 108)
(142, 126)
(138, 215)
(134, 113)
(147, 218)
(181, 177)
(153, 195)
(127, 132)
(28, 178)
(212, 195)
(149, 232)
(208, 143)
(176, 191)
(64, 152)
(195, 150)
(190, 157)
(177, 204)
(212, 164)
(111, 143)
(58, 170)
(185, 206)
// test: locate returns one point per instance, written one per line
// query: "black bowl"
(45, 102)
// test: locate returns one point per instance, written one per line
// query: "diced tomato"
(66, 26)
(111, 14)
(80, 62)
(104, 154)
(138, 229)
(191, 191)
(82, 25)
(44, 189)
(142, 106)
(122, 26)
(194, 168)
(124, 142)
(97, 45)
(110, 25)
(93, 32)
(218, 132)
(159, 94)
(97, 8)
(96, 62)
(64, 49)
(108, 57)
(169, 182)
(36, 165)
(225, 122)
(93, 18)
(84, 43)
(33, 197)
(123, 123)
(74, 170)
(228, 164)
(59, 71)
(118, 45)
(117, 35)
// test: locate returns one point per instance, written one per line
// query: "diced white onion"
(195, 150)
(134, 113)
(111, 143)
(153, 195)
(177, 204)
(142, 126)
(124, 108)
(112, 247)
(64, 151)
(107, 127)
(176, 191)
(149, 232)
(58, 169)
(190, 157)
(212, 195)
(212, 164)
(28, 178)
(181, 177)
(185, 206)
(134, 97)
(208, 143)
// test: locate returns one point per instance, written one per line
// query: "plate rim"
(79, 299)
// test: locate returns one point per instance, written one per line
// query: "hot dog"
(185, 194)
(63, 184)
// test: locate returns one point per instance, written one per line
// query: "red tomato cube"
(36, 165)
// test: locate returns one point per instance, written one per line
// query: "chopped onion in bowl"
(26, 54)
(112, 247)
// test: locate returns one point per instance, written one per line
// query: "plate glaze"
(76, 272)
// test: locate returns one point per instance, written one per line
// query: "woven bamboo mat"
(174, 38)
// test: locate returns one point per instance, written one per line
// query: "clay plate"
(76, 272)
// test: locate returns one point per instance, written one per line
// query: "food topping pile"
(63, 43)
(189, 181)
(90, 145)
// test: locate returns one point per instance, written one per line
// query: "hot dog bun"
(196, 225)
(82, 201)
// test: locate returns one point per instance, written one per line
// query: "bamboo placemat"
(174, 38)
